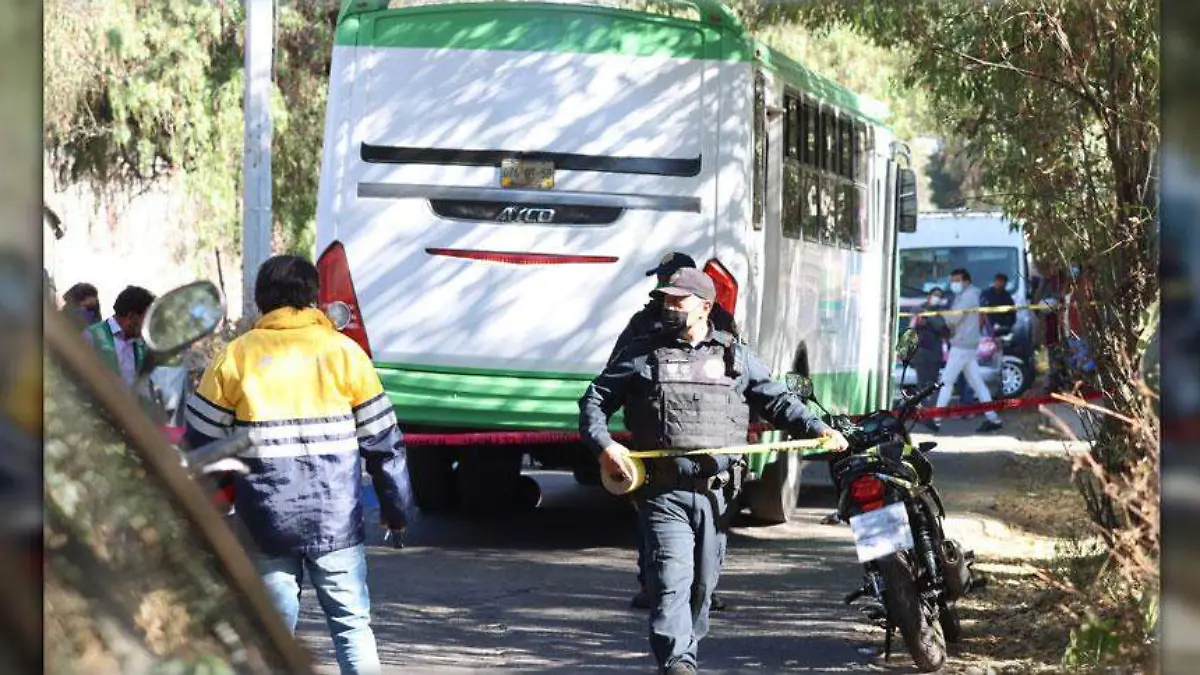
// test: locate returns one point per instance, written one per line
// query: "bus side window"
(792, 129)
(849, 235)
(793, 200)
(810, 222)
(827, 197)
(759, 191)
(808, 135)
(792, 194)
(860, 154)
(822, 139)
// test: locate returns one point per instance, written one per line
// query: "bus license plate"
(881, 532)
(523, 173)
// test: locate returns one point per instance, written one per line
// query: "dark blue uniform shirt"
(629, 375)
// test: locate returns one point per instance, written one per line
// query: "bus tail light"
(337, 297)
(727, 287)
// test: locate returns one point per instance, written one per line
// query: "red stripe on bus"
(523, 258)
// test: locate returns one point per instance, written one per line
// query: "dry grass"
(1030, 530)
(1015, 625)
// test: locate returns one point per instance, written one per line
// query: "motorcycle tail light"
(867, 492)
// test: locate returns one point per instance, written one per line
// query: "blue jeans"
(340, 579)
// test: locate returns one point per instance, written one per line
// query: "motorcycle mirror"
(801, 386)
(181, 317)
(906, 346)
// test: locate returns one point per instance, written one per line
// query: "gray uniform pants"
(685, 547)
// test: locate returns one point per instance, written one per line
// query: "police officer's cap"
(689, 281)
(671, 263)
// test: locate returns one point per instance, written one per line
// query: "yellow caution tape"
(980, 310)
(757, 448)
(618, 485)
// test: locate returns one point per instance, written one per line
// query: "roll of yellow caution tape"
(619, 485)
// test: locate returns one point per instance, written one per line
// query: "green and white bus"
(497, 177)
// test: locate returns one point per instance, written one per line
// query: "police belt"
(665, 472)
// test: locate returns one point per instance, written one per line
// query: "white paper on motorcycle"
(881, 532)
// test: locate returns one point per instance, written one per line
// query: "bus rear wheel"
(490, 481)
(431, 470)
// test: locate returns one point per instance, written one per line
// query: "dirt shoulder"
(1010, 498)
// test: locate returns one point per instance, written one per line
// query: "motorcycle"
(913, 573)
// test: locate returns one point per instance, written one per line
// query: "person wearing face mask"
(81, 304)
(647, 320)
(964, 342)
(118, 340)
(686, 387)
(931, 333)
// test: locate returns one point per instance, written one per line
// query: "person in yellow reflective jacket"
(314, 406)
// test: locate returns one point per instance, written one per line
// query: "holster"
(732, 480)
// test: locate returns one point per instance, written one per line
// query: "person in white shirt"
(964, 341)
(118, 341)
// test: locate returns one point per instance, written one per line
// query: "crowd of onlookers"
(950, 345)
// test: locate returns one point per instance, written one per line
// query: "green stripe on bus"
(509, 27)
(497, 399)
(846, 392)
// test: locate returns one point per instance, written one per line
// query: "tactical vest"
(693, 402)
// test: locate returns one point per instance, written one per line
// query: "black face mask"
(674, 321)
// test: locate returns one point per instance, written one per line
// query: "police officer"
(648, 320)
(686, 387)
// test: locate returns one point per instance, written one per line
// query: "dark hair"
(133, 300)
(285, 281)
(961, 272)
(936, 289)
(1002, 275)
(80, 292)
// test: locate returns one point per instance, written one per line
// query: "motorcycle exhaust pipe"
(956, 569)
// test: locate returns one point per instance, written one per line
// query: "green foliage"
(956, 177)
(843, 55)
(1058, 102)
(305, 46)
(139, 90)
(1092, 643)
(1118, 639)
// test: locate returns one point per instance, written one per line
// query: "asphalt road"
(549, 591)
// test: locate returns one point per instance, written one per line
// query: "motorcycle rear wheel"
(918, 621)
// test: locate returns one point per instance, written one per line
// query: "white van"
(985, 244)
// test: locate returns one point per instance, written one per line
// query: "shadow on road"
(549, 591)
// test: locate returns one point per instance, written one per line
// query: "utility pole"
(256, 166)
